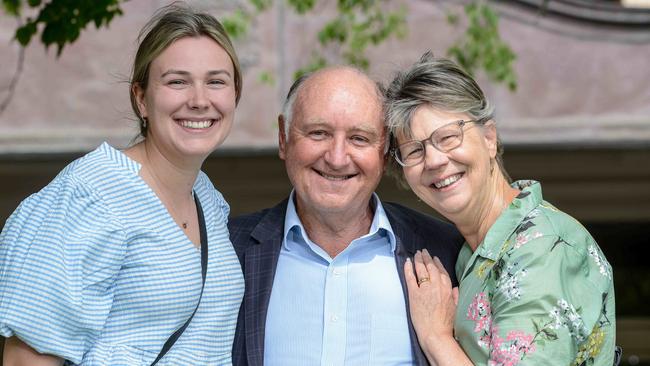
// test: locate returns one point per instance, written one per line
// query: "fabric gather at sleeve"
(60, 253)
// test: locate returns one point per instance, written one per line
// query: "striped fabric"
(95, 270)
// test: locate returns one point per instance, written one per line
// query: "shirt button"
(334, 318)
(337, 272)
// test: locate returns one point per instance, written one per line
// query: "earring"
(144, 122)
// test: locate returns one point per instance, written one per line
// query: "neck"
(333, 231)
(475, 226)
(174, 179)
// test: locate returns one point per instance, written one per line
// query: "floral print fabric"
(537, 291)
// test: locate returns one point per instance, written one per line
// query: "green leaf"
(24, 34)
(261, 5)
(236, 25)
(452, 18)
(317, 62)
(334, 31)
(536, 325)
(550, 335)
(302, 6)
(34, 3)
(481, 47)
(12, 7)
(266, 77)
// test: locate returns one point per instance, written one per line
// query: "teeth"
(196, 124)
(447, 181)
(335, 177)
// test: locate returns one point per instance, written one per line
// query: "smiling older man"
(324, 284)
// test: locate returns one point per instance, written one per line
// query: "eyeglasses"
(444, 139)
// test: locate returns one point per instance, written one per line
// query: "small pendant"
(185, 225)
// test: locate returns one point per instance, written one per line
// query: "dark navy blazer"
(257, 239)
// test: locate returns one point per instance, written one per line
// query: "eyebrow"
(367, 130)
(362, 128)
(185, 73)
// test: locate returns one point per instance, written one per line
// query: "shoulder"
(426, 225)
(100, 167)
(417, 231)
(266, 222)
(244, 224)
(552, 226)
(206, 190)
(553, 241)
(72, 191)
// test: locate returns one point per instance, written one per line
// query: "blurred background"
(570, 80)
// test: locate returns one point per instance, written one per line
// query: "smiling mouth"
(335, 177)
(197, 125)
(447, 181)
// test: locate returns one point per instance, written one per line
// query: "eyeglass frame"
(461, 123)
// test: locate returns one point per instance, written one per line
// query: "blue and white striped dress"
(95, 270)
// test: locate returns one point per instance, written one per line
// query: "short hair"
(169, 24)
(439, 83)
(288, 107)
(289, 101)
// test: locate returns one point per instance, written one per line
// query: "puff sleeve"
(60, 253)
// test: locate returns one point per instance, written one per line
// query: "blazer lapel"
(261, 259)
(405, 246)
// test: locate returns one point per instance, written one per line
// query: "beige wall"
(578, 83)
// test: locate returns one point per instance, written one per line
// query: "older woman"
(535, 288)
(124, 257)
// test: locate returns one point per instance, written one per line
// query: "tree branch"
(14, 80)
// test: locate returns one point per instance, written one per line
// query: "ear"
(490, 136)
(385, 148)
(282, 137)
(138, 92)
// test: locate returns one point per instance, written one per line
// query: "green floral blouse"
(537, 291)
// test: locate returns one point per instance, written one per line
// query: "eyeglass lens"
(444, 139)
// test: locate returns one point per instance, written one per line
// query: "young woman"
(112, 257)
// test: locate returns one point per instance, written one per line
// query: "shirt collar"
(526, 201)
(380, 223)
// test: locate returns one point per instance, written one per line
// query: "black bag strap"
(204, 270)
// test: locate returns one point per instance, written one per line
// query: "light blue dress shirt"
(347, 310)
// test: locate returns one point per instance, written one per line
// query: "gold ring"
(422, 280)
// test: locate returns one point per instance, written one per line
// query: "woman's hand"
(431, 297)
(432, 303)
(18, 353)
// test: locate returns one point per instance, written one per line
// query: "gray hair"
(288, 107)
(441, 84)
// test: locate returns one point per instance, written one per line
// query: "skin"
(191, 80)
(18, 353)
(472, 203)
(334, 155)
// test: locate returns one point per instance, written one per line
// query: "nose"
(337, 155)
(434, 158)
(198, 100)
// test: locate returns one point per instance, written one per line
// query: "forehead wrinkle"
(341, 84)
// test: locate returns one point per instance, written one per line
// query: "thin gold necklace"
(154, 178)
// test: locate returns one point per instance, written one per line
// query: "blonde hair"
(169, 24)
